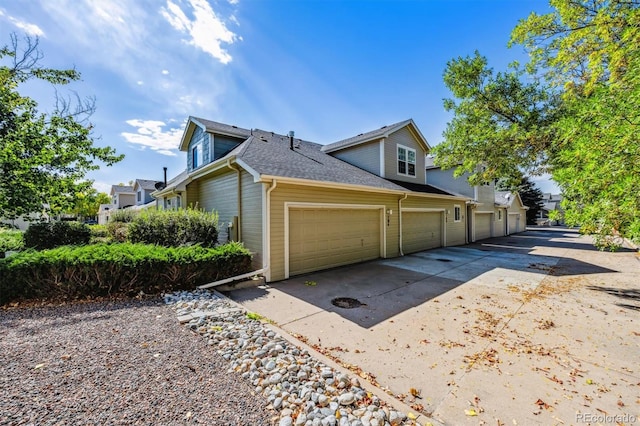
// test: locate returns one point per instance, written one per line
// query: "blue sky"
(326, 69)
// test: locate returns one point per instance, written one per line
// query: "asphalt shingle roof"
(270, 154)
(362, 137)
(214, 126)
(417, 187)
(147, 184)
(122, 189)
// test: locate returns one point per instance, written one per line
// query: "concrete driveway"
(535, 328)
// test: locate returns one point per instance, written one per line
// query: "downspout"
(267, 230)
(239, 207)
(400, 221)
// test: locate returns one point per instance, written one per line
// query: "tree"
(88, 203)
(530, 195)
(572, 111)
(44, 157)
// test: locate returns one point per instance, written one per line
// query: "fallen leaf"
(542, 404)
(470, 412)
(38, 366)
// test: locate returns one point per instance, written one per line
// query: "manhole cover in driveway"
(347, 302)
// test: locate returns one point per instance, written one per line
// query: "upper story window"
(499, 214)
(196, 156)
(406, 161)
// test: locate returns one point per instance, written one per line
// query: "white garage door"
(421, 231)
(513, 223)
(326, 238)
(483, 226)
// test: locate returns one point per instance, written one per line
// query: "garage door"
(483, 225)
(325, 238)
(513, 223)
(421, 231)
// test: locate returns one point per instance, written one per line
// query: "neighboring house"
(299, 206)
(515, 212)
(488, 214)
(127, 196)
(550, 202)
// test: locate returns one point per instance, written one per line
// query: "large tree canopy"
(573, 113)
(44, 157)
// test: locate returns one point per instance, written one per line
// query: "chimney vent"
(291, 135)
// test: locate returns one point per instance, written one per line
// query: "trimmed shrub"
(118, 225)
(99, 234)
(47, 235)
(171, 228)
(10, 241)
(73, 272)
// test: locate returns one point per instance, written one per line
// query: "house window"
(139, 196)
(196, 156)
(457, 213)
(499, 214)
(406, 161)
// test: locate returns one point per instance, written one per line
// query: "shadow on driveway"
(388, 287)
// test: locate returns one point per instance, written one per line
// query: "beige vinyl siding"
(487, 196)
(454, 231)
(191, 199)
(482, 225)
(126, 200)
(406, 138)
(366, 156)
(251, 222)
(220, 193)
(514, 210)
(297, 193)
(421, 231)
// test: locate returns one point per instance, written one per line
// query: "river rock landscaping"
(303, 390)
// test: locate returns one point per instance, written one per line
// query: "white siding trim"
(301, 205)
(382, 165)
(443, 224)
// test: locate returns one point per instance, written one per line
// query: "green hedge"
(10, 241)
(47, 235)
(73, 272)
(171, 228)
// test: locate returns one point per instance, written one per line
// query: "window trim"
(499, 215)
(196, 155)
(457, 208)
(406, 161)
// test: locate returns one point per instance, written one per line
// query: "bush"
(99, 234)
(73, 272)
(47, 235)
(10, 241)
(171, 228)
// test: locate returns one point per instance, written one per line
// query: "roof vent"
(291, 135)
(383, 127)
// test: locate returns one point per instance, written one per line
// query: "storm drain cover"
(347, 302)
(444, 260)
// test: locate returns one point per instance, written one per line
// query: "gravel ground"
(115, 362)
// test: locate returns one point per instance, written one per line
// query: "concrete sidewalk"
(535, 328)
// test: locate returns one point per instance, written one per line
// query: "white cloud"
(206, 30)
(150, 134)
(31, 29)
(165, 72)
(102, 186)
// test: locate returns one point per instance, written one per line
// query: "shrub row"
(169, 228)
(10, 241)
(116, 269)
(47, 235)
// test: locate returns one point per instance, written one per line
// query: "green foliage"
(10, 241)
(72, 272)
(500, 124)
(573, 113)
(118, 225)
(44, 157)
(47, 235)
(123, 216)
(174, 227)
(87, 203)
(99, 234)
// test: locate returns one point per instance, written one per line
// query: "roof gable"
(210, 127)
(146, 184)
(380, 133)
(121, 189)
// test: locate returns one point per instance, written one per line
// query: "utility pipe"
(239, 199)
(236, 278)
(400, 220)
